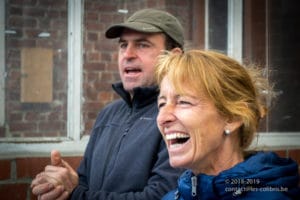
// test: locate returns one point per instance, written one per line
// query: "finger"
(61, 177)
(56, 158)
(48, 177)
(53, 194)
(42, 188)
(73, 176)
(67, 165)
(39, 179)
(51, 168)
(64, 196)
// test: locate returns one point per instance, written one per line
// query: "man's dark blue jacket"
(126, 157)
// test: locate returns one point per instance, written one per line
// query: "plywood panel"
(36, 79)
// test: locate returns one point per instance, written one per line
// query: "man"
(126, 157)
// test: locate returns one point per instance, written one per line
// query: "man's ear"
(177, 50)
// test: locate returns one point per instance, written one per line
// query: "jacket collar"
(258, 170)
(143, 96)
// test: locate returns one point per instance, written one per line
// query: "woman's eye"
(159, 105)
(184, 102)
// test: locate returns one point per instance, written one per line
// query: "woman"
(209, 110)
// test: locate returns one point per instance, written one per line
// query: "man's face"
(137, 56)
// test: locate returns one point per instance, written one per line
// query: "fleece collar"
(143, 96)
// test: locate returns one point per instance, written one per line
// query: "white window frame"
(73, 144)
(2, 63)
(273, 140)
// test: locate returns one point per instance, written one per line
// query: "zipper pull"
(194, 186)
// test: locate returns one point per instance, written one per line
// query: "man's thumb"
(56, 158)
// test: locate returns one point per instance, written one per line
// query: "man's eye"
(122, 45)
(142, 45)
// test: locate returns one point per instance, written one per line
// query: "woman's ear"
(234, 124)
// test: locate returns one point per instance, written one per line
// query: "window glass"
(284, 60)
(271, 38)
(217, 28)
(36, 69)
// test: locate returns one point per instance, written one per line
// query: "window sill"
(43, 147)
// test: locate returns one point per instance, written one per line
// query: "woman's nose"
(165, 116)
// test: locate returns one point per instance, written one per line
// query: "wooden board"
(36, 75)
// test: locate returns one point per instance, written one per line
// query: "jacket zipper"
(194, 186)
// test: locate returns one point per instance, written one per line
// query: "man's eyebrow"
(142, 39)
(121, 40)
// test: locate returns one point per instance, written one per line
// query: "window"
(264, 32)
(41, 104)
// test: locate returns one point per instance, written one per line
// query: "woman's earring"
(227, 132)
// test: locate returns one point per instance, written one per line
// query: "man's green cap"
(150, 21)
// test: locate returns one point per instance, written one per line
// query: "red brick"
(30, 116)
(30, 167)
(92, 106)
(94, 66)
(107, 76)
(33, 12)
(24, 2)
(105, 6)
(53, 14)
(93, 26)
(92, 115)
(106, 56)
(73, 161)
(104, 86)
(281, 153)
(15, 116)
(93, 56)
(52, 125)
(5, 169)
(92, 36)
(105, 96)
(17, 191)
(91, 94)
(88, 125)
(295, 155)
(32, 196)
(106, 18)
(91, 76)
(23, 126)
(54, 116)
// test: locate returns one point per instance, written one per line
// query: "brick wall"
(17, 174)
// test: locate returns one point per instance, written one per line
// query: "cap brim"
(116, 30)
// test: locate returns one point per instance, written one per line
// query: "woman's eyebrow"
(161, 97)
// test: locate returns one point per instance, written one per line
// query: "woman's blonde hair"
(237, 91)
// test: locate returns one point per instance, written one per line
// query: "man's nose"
(130, 51)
